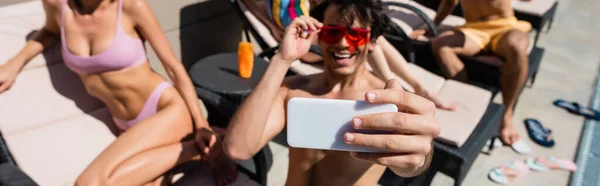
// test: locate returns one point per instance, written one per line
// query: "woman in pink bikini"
(102, 41)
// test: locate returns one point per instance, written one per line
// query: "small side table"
(218, 84)
(219, 74)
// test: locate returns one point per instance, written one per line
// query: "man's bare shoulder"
(299, 81)
(301, 85)
(376, 83)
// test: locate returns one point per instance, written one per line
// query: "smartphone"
(317, 123)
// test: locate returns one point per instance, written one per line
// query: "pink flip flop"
(509, 172)
(547, 163)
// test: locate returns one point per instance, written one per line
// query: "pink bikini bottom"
(148, 110)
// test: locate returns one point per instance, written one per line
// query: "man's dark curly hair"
(368, 12)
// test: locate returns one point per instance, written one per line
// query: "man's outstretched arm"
(261, 116)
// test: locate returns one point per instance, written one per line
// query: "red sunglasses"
(333, 34)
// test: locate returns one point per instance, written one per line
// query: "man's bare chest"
(336, 167)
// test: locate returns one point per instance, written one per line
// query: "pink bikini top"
(124, 51)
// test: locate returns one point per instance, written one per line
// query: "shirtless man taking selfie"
(490, 27)
(263, 114)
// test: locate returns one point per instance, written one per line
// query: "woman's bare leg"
(148, 150)
(379, 64)
(397, 65)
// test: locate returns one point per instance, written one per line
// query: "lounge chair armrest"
(216, 101)
(12, 175)
(268, 52)
(5, 156)
(448, 151)
(420, 13)
(263, 162)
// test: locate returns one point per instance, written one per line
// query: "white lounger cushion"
(17, 22)
(56, 153)
(52, 126)
(42, 96)
(471, 103)
(533, 7)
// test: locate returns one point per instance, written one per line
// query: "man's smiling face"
(341, 57)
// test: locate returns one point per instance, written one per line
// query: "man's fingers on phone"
(395, 121)
(397, 160)
(391, 143)
(402, 99)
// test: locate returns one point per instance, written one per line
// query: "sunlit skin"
(262, 115)
(512, 47)
(386, 62)
(144, 153)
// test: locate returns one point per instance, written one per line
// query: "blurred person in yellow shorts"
(490, 27)
(487, 34)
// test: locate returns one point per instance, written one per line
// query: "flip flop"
(539, 133)
(521, 147)
(497, 144)
(575, 108)
(509, 172)
(547, 163)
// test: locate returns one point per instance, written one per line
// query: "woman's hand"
(298, 37)
(8, 74)
(211, 146)
(422, 31)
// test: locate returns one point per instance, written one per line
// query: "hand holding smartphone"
(317, 123)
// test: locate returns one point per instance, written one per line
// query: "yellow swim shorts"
(486, 34)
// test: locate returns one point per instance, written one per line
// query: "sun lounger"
(220, 110)
(483, 71)
(51, 128)
(480, 68)
(537, 12)
(266, 41)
